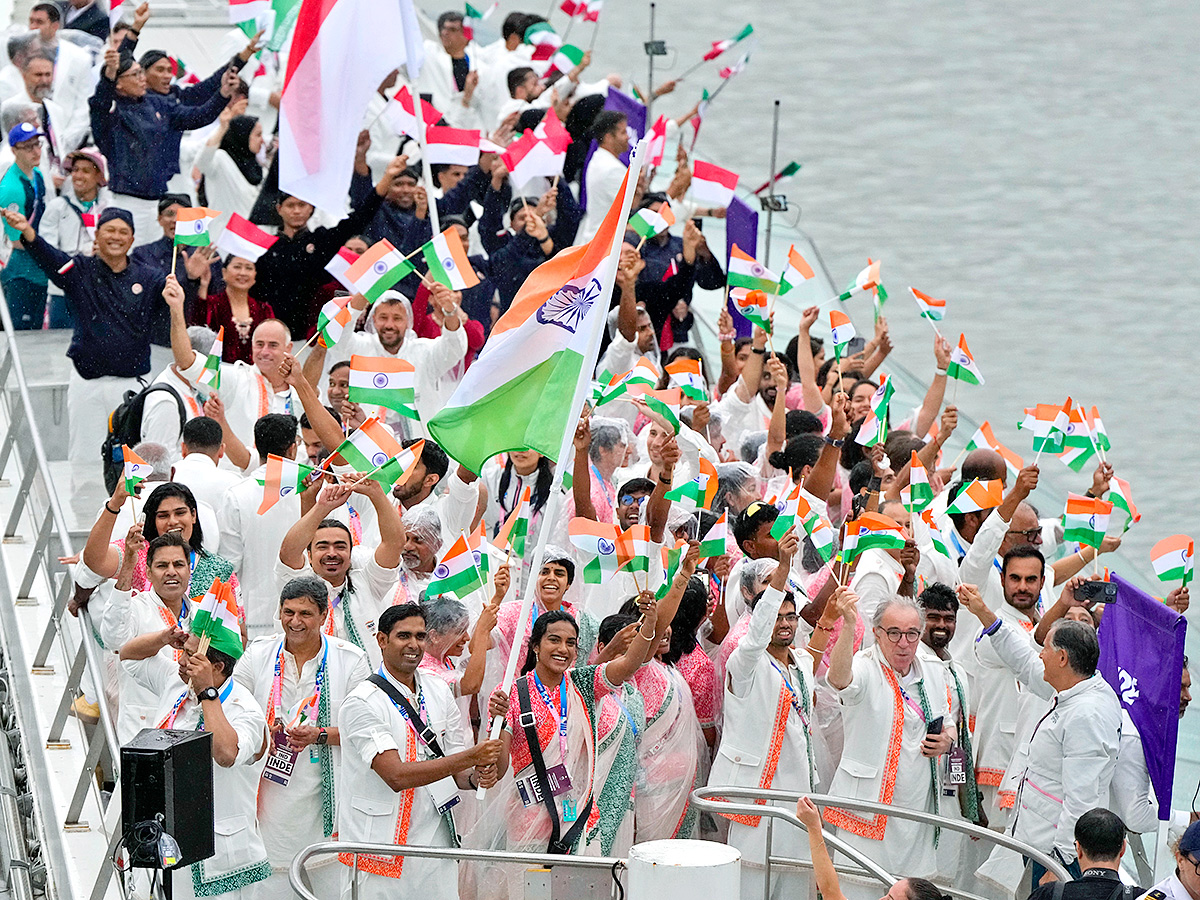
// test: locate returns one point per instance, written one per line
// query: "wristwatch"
(209, 693)
(834, 442)
(322, 738)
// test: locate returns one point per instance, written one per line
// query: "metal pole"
(650, 83)
(771, 183)
(767, 859)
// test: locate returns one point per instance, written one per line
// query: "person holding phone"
(887, 688)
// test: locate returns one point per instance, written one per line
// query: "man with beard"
(1000, 701)
(748, 405)
(360, 584)
(941, 621)
(431, 358)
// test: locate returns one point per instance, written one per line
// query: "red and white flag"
(341, 51)
(551, 131)
(712, 184)
(527, 158)
(245, 239)
(337, 267)
(247, 10)
(402, 115)
(453, 146)
(658, 142)
(115, 9)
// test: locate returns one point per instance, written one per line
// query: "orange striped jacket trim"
(874, 827)
(1008, 799)
(390, 866)
(768, 773)
(990, 777)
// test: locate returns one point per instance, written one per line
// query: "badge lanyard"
(424, 713)
(277, 685)
(561, 715)
(169, 721)
(796, 705)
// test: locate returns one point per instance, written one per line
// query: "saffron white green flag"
(520, 393)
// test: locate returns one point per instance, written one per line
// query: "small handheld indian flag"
(925, 520)
(1078, 445)
(716, 541)
(985, 438)
(842, 329)
(874, 430)
(216, 621)
(136, 469)
(565, 58)
(1086, 519)
(1173, 558)
(920, 491)
(333, 319)
(753, 305)
(797, 272)
(931, 307)
(192, 226)
(875, 531)
(377, 270)
(401, 468)
(448, 263)
(283, 478)
(456, 572)
(666, 404)
(384, 381)
(641, 378)
(243, 238)
(369, 446)
(978, 496)
(212, 366)
(962, 364)
(747, 272)
(816, 526)
(633, 548)
(599, 540)
(514, 533)
(1122, 498)
(1049, 424)
(787, 515)
(1098, 431)
(686, 375)
(700, 492)
(647, 222)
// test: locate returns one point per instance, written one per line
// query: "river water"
(1034, 166)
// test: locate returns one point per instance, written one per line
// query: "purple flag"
(1141, 657)
(741, 228)
(635, 118)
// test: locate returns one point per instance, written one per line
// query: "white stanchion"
(659, 869)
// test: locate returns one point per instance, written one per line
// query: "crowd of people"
(954, 675)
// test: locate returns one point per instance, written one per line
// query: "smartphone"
(699, 223)
(1102, 591)
(934, 727)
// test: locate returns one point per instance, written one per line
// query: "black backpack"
(125, 427)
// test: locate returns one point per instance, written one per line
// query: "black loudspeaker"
(168, 774)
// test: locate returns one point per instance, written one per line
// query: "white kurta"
(160, 414)
(891, 770)
(371, 812)
(291, 816)
(603, 179)
(355, 612)
(251, 544)
(204, 478)
(247, 396)
(240, 861)
(126, 615)
(766, 743)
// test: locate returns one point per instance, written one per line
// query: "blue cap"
(1189, 844)
(21, 133)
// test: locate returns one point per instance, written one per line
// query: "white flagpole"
(582, 389)
(426, 167)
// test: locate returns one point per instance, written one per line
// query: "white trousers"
(146, 229)
(89, 403)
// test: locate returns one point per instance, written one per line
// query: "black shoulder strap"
(560, 846)
(423, 730)
(1059, 887)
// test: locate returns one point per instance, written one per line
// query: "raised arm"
(820, 478)
(823, 870)
(659, 507)
(581, 476)
(300, 535)
(1066, 600)
(181, 346)
(806, 366)
(481, 637)
(937, 388)
(630, 266)
(747, 384)
(99, 554)
(322, 422)
(391, 530)
(622, 669)
(777, 428)
(841, 661)
(726, 335)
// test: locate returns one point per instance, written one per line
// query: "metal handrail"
(76, 648)
(296, 869)
(708, 799)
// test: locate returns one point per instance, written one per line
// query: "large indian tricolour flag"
(523, 392)
(341, 51)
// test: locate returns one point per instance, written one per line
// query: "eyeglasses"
(630, 500)
(1031, 535)
(788, 619)
(895, 634)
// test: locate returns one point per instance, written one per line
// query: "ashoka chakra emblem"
(605, 547)
(442, 571)
(379, 268)
(380, 380)
(379, 458)
(569, 305)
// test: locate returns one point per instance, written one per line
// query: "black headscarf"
(237, 144)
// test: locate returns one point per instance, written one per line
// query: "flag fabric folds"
(384, 381)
